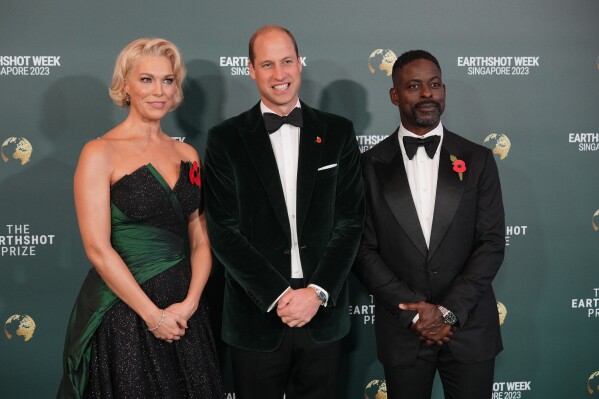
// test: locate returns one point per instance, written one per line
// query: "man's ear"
(394, 96)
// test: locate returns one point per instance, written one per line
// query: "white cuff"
(277, 300)
(323, 290)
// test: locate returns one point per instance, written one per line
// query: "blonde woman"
(139, 328)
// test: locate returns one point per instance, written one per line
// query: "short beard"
(434, 117)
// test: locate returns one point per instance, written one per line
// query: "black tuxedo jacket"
(249, 228)
(466, 249)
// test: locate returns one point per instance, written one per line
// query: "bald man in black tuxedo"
(433, 241)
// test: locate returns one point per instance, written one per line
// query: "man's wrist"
(448, 316)
(321, 294)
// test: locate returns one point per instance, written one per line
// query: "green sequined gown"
(109, 352)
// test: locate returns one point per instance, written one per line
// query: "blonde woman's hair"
(156, 47)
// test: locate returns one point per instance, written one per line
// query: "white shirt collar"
(436, 131)
(264, 108)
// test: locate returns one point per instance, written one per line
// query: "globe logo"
(499, 143)
(593, 384)
(21, 325)
(502, 310)
(18, 148)
(376, 389)
(381, 60)
(594, 220)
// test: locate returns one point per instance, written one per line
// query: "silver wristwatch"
(322, 297)
(448, 316)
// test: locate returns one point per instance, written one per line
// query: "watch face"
(450, 318)
(321, 296)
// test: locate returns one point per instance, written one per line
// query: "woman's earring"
(127, 99)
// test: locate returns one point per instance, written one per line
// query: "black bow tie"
(273, 122)
(430, 144)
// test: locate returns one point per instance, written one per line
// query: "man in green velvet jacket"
(284, 206)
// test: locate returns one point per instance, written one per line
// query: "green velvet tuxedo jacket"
(249, 228)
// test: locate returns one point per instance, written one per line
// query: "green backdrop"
(521, 78)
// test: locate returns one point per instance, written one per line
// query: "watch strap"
(448, 316)
(320, 294)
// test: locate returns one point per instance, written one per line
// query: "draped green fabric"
(147, 251)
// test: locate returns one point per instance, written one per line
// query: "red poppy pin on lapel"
(318, 140)
(459, 166)
(194, 174)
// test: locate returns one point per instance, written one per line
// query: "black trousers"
(298, 368)
(460, 380)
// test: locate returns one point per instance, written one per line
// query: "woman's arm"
(92, 201)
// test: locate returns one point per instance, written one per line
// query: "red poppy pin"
(318, 140)
(459, 166)
(194, 174)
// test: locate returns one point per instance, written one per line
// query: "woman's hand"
(167, 326)
(184, 309)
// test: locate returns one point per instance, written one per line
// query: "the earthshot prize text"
(590, 304)
(19, 241)
(366, 311)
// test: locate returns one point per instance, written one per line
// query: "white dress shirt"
(422, 173)
(285, 145)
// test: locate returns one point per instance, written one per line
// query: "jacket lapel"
(397, 194)
(311, 143)
(257, 143)
(449, 191)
